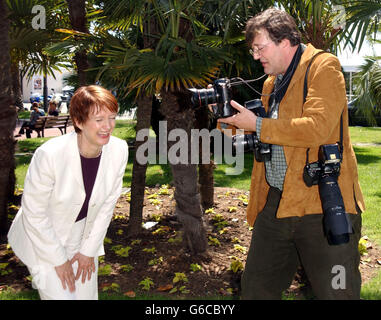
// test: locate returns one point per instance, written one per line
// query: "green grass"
(24, 114)
(369, 167)
(365, 134)
(372, 289)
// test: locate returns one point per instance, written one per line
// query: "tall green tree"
(362, 21)
(363, 24)
(319, 21)
(164, 60)
(368, 89)
(7, 123)
(169, 46)
(28, 41)
(77, 13)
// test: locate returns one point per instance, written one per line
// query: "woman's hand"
(86, 266)
(66, 275)
(244, 119)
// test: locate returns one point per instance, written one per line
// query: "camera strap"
(305, 91)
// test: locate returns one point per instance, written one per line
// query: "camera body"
(328, 164)
(325, 173)
(219, 96)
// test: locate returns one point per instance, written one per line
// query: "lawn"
(367, 146)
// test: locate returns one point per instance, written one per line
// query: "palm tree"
(316, 20)
(7, 123)
(77, 13)
(368, 89)
(165, 59)
(176, 45)
(27, 44)
(363, 18)
(363, 23)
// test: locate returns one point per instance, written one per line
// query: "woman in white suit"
(70, 192)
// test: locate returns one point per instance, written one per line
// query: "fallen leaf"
(165, 288)
(130, 294)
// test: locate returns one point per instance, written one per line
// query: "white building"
(36, 84)
(351, 62)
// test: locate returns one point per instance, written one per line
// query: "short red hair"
(89, 99)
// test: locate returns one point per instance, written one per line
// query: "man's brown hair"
(279, 25)
(90, 99)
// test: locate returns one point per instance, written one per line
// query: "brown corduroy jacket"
(300, 126)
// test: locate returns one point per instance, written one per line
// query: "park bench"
(46, 122)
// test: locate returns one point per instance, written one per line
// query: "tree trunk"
(7, 124)
(188, 207)
(205, 171)
(139, 170)
(77, 14)
(45, 92)
(16, 86)
(206, 182)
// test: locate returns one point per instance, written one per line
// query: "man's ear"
(285, 43)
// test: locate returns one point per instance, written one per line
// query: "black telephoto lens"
(337, 226)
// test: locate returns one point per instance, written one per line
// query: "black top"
(53, 113)
(89, 173)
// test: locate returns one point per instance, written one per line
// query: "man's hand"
(66, 275)
(86, 266)
(244, 119)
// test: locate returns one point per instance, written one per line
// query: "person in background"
(28, 126)
(286, 213)
(66, 209)
(52, 110)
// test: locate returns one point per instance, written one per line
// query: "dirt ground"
(156, 262)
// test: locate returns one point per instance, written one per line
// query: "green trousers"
(279, 246)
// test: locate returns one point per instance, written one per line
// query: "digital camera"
(219, 96)
(325, 173)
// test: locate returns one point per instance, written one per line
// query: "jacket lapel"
(76, 166)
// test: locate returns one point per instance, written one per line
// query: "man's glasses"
(258, 50)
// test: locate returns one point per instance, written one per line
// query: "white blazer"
(54, 194)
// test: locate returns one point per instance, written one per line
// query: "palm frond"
(368, 89)
(363, 18)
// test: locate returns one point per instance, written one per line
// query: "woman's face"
(97, 129)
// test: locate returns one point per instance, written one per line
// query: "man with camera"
(305, 202)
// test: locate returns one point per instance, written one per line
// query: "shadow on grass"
(366, 156)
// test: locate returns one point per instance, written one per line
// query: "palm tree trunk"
(77, 13)
(188, 206)
(139, 170)
(206, 182)
(16, 86)
(7, 123)
(205, 170)
(45, 92)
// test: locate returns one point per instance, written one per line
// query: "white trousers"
(46, 280)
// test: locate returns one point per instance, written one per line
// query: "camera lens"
(337, 226)
(247, 142)
(202, 97)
